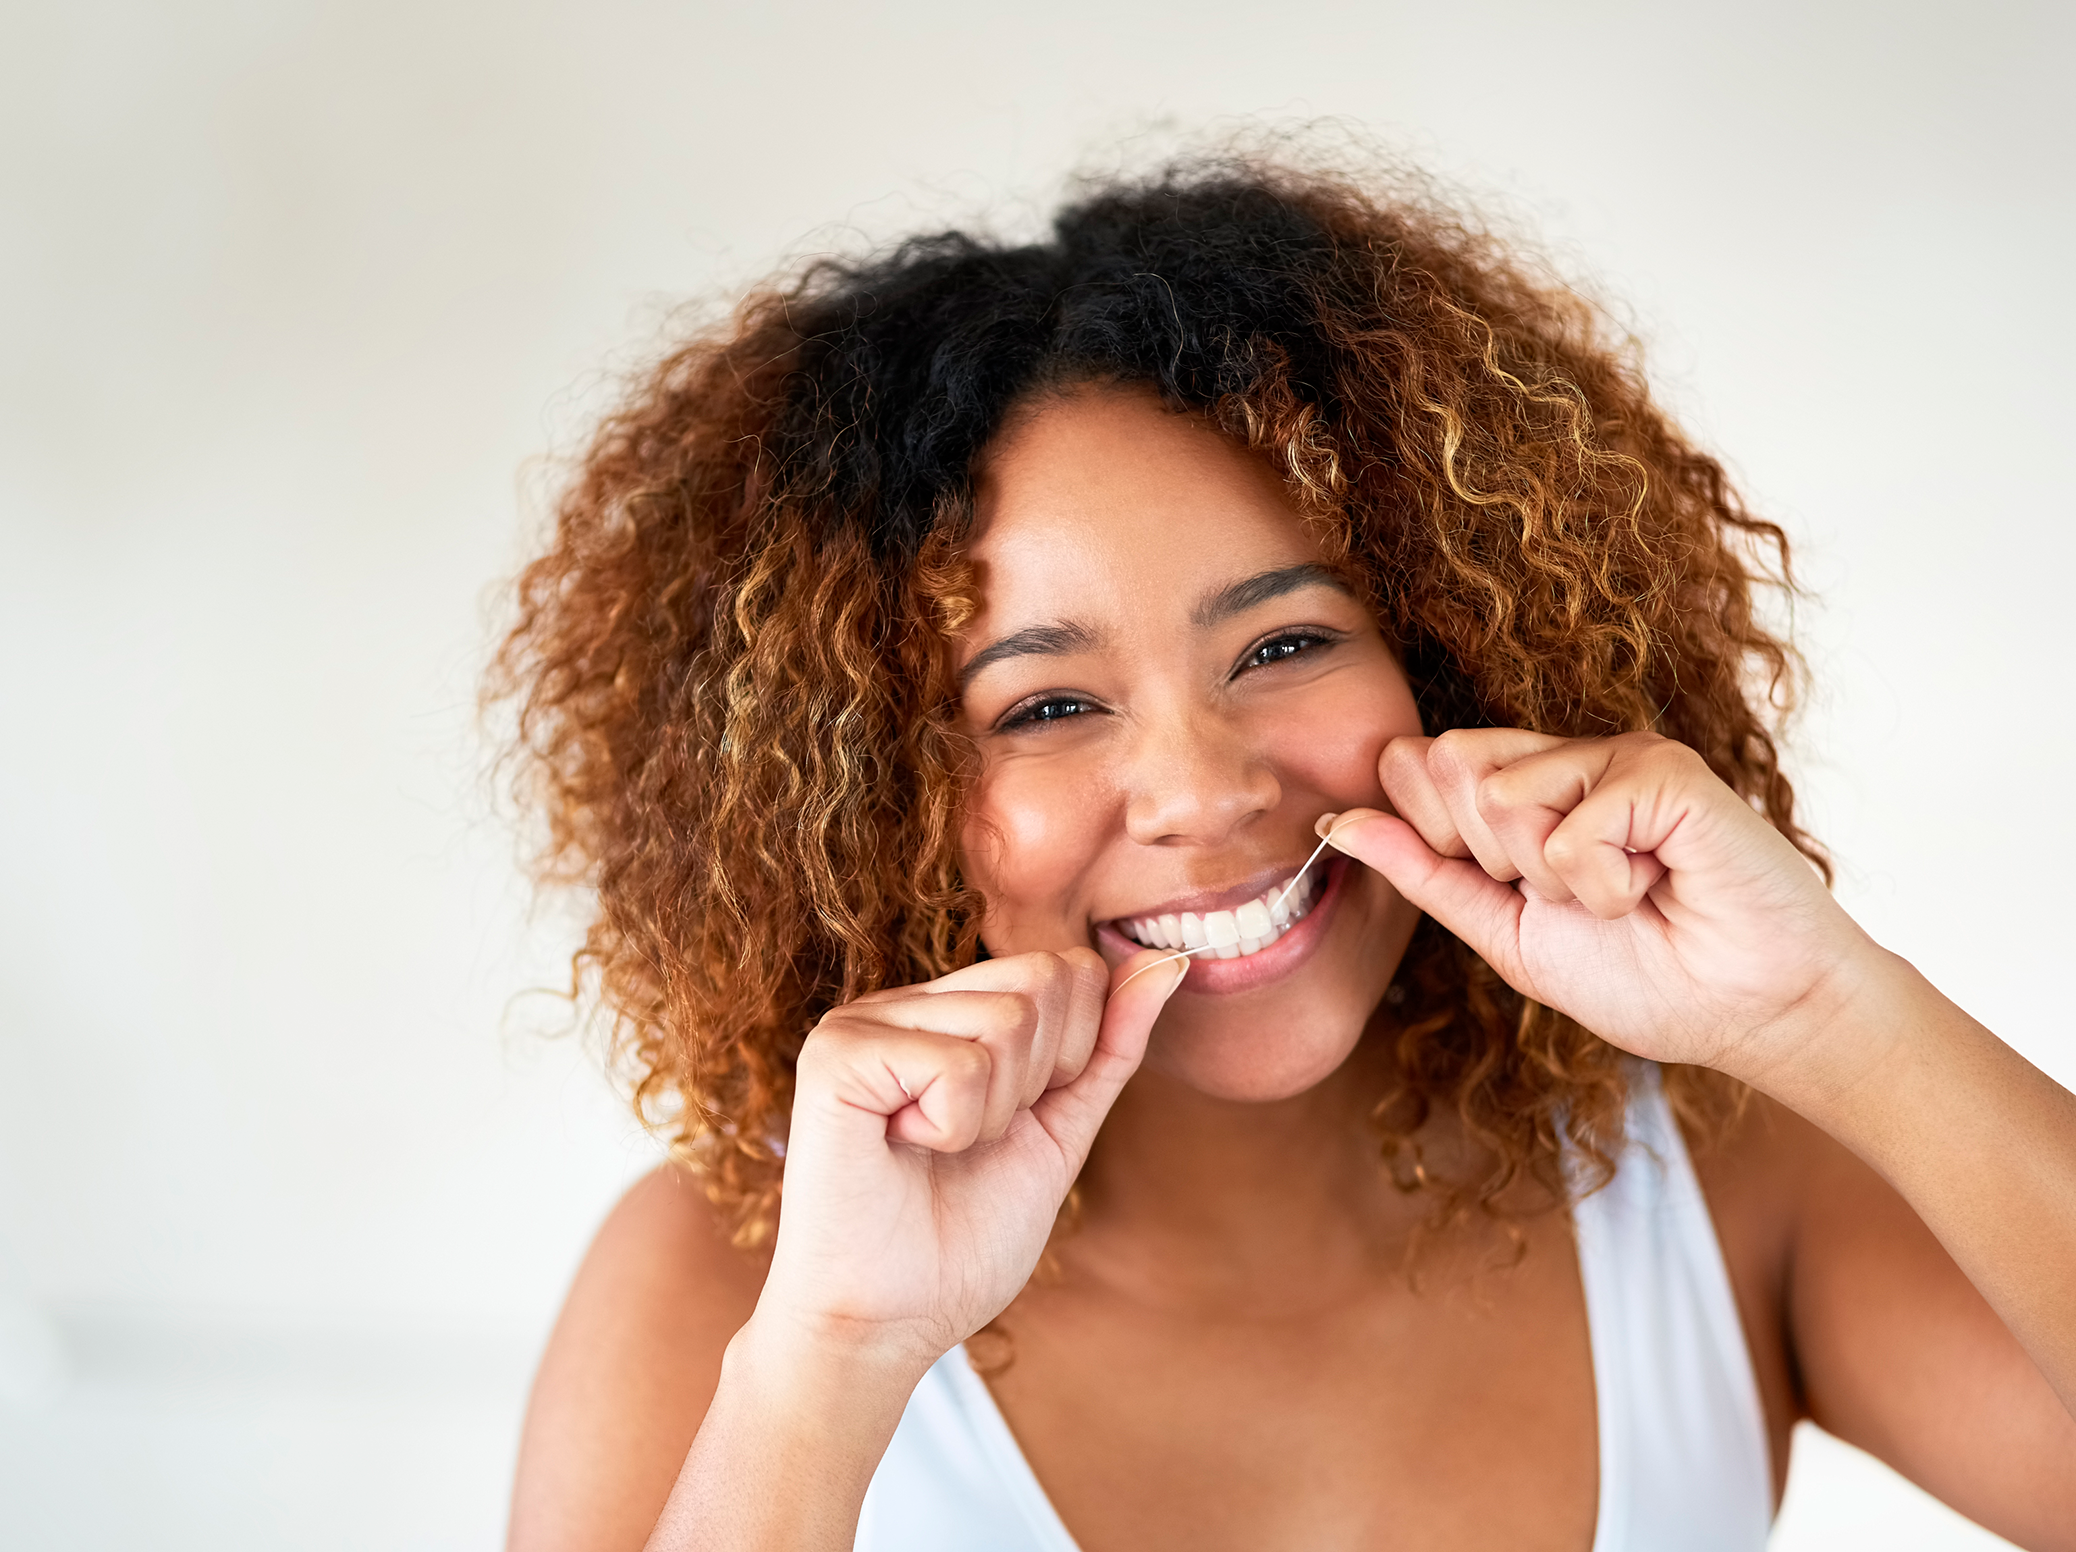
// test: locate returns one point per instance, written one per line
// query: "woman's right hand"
(935, 1131)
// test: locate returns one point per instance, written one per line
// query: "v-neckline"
(1014, 1469)
(1597, 1237)
(1007, 1456)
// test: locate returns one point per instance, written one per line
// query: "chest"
(1456, 1411)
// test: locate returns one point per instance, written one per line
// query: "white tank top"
(1683, 1451)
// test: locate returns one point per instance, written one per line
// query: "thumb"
(1456, 892)
(1139, 989)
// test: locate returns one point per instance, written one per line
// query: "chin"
(1248, 1067)
(1268, 1042)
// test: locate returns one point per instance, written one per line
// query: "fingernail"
(1181, 961)
(1323, 823)
(1339, 822)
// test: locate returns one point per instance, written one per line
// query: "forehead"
(1104, 501)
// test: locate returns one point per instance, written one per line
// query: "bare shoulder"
(1858, 1318)
(630, 1369)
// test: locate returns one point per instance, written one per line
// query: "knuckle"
(1682, 756)
(1496, 795)
(825, 1041)
(1052, 976)
(1020, 1014)
(1453, 752)
(830, 1047)
(970, 1059)
(1404, 757)
(1648, 748)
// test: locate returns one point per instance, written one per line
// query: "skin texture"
(1176, 771)
(1231, 1353)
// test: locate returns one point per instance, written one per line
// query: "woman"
(925, 664)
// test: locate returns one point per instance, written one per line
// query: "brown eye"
(1280, 649)
(1046, 709)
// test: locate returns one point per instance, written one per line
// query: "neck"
(1187, 1196)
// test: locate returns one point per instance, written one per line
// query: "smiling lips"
(1234, 934)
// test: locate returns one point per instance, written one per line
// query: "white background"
(291, 294)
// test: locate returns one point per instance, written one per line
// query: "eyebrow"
(1067, 636)
(1249, 592)
(1054, 640)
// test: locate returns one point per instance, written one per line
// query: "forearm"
(787, 1449)
(1980, 1142)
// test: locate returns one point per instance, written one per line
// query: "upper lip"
(1206, 900)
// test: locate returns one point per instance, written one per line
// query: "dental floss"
(1295, 879)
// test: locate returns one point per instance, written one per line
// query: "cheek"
(1330, 742)
(1028, 840)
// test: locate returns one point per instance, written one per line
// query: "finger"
(1036, 1012)
(1588, 852)
(1410, 785)
(1084, 1017)
(1061, 988)
(1527, 800)
(970, 1014)
(1606, 847)
(1456, 892)
(1460, 763)
(908, 1085)
(1139, 988)
(1011, 973)
(1068, 988)
(1025, 1059)
(1006, 1023)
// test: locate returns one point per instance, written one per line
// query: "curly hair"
(732, 670)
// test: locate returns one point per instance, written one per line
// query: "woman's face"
(1168, 688)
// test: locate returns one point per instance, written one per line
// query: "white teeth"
(1279, 909)
(1246, 929)
(1301, 900)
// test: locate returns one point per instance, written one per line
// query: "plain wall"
(291, 297)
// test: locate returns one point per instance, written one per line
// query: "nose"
(1194, 778)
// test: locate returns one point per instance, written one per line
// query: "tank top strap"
(1683, 1449)
(953, 1478)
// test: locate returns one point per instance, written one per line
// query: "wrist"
(788, 1446)
(824, 1364)
(1837, 1052)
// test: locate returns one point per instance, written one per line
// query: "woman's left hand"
(1619, 881)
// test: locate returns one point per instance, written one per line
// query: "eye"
(1285, 645)
(1042, 709)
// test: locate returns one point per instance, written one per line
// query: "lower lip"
(1212, 977)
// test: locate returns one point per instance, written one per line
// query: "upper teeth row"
(1247, 929)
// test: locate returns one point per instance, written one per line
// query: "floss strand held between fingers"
(1301, 872)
